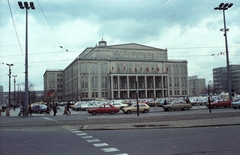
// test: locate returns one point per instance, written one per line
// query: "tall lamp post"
(9, 90)
(26, 6)
(223, 7)
(14, 100)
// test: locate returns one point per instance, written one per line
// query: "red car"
(220, 103)
(104, 108)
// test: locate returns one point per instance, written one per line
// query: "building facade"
(53, 85)
(116, 71)
(196, 86)
(220, 79)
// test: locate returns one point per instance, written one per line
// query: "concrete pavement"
(155, 121)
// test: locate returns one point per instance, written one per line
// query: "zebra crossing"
(94, 141)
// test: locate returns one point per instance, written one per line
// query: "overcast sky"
(189, 29)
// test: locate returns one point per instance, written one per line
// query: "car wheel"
(214, 107)
(112, 113)
(168, 109)
(94, 113)
(165, 109)
(129, 112)
(145, 111)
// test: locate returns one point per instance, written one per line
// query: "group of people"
(53, 107)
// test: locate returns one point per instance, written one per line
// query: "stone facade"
(114, 71)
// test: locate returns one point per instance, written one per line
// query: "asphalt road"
(62, 140)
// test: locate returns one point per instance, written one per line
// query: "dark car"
(220, 103)
(104, 108)
(39, 108)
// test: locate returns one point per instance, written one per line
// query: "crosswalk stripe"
(93, 140)
(81, 134)
(100, 144)
(110, 149)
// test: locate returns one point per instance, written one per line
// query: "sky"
(190, 30)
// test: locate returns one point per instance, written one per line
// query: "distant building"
(53, 85)
(1, 96)
(196, 86)
(112, 71)
(220, 79)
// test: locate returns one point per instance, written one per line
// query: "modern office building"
(196, 86)
(116, 71)
(220, 79)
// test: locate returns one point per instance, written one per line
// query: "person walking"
(54, 109)
(21, 111)
(48, 110)
(30, 109)
(187, 100)
(68, 106)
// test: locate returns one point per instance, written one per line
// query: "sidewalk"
(166, 124)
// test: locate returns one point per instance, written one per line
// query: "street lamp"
(9, 90)
(223, 7)
(14, 100)
(26, 6)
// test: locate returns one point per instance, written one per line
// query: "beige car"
(177, 105)
(144, 108)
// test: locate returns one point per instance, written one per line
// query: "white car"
(119, 105)
(88, 105)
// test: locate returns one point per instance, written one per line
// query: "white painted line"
(48, 119)
(86, 137)
(122, 154)
(72, 129)
(100, 144)
(76, 131)
(110, 149)
(81, 134)
(93, 140)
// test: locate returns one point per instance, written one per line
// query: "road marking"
(86, 137)
(81, 134)
(110, 149)
(100, 144)
(76, 131)
(122, 154)
(48, 119)
(93, 140)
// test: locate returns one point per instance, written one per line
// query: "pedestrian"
(14, 107)
(68, 106)
(54, 109)
(48, 110)
(21, 111)
(165, 102)
(187, 100)
(30, 109)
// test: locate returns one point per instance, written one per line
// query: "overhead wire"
(15, 28)
(51, 27)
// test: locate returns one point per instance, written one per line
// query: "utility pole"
(9, 90)
(14, 100)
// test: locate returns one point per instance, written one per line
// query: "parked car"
(177, 105)
(62, 103)
(39, 108)
(88, 105)
(198, 101)
(76, 106)
(163, 102)
(236, 104)
(104, 108)
(119, 105)
(144, 108)
(220, 103)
